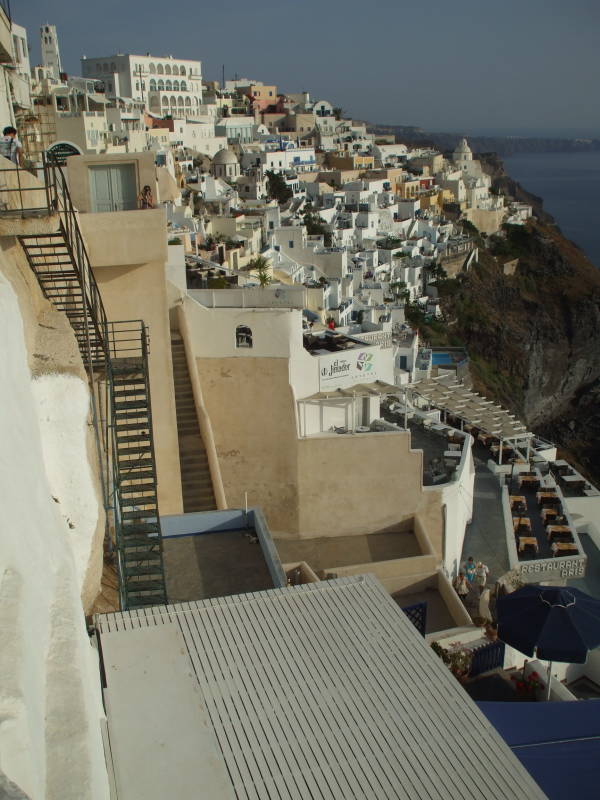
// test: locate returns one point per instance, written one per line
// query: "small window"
(243, 336)
(291, 244)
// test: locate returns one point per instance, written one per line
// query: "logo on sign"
(364, 362)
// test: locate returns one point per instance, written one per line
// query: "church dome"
(224, 157)
(463, 147)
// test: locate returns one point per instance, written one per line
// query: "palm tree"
(262, 268)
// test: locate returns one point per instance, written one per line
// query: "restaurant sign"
(544, 568)
(337, 370)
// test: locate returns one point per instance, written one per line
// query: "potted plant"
(458, 661)
(526, 686)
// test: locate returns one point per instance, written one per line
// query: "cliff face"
(534, 337)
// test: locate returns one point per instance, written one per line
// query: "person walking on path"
(461, 587)
(470, 569)
(481, 576)
(10, 146)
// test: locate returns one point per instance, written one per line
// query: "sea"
(569, 184)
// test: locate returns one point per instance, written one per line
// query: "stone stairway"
(196, 482)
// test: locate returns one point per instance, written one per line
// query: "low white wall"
(457, 497)
(50, 704)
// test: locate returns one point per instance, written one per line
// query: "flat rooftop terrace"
(204, 565)
(322, 691)
(344, 551)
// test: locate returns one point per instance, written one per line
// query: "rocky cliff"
(534, 337)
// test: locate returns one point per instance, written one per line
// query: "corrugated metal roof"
(322, 691)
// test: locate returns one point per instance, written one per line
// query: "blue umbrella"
(558, 623)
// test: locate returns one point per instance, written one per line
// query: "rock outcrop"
(534, 337)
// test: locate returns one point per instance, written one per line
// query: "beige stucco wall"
(328, 486)
(78, 174)
(128, 252)
(485, 221)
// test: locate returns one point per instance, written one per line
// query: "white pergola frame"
(471, 408)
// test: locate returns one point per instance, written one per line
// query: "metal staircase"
(115, 355)
(137, 523)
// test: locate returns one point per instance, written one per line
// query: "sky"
(516, 67)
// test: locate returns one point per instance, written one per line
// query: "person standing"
(481, 576)
(10, 146)
(470, 569)
(461, 586)
(145, 199)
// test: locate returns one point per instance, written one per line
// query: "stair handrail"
(60, 201)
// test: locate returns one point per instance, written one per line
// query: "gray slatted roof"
(449, 395)
(324, 691)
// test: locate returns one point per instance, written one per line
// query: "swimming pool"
(441, 358)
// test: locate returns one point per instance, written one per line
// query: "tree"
(396, 288)
(277, 188)
(262, 269)
(338, 112)
(316, 226)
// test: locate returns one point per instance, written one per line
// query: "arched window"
(98, 67)
(180, 100)
(152, 85)
(172, 101)
(167, 69)
(176, 86)
(161, 85)
(182, 70)
(183, 85)
(151, 68)
(165, 101)
(113, 66)
(105, 68)
(188, 102)
(168, 85)
(243, 336)
(159, 69)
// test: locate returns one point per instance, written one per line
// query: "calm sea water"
(569, 184)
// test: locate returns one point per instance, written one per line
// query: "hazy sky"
(511, 67)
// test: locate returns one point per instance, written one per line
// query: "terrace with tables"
(540, 533)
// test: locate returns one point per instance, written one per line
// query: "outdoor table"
(529, 480)
(549, 515)
(517, 500)
(548, 498)
(521, 522)
(528, 541)
(561, 466)
(564, 548)
(562, 532)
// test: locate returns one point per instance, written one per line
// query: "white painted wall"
(62, 403)
(50, 705)
(457, 497)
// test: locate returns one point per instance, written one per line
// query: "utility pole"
(223, 80)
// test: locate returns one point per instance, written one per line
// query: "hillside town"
(259, 528)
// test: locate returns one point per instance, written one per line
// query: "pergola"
(472, 409)
(348, 395)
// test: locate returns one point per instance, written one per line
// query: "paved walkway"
(485, 537)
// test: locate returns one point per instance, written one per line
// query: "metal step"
(145, 586)
(141, 514)
(127, 439)
(147, 570)
(138, 488)
(140, 527)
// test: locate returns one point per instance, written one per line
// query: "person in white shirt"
(481, 576)
(10, 146)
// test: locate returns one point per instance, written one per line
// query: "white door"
(113, 188)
